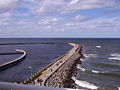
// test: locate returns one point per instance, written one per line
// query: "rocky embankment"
(62, 77)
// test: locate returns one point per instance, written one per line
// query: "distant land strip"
(15, 43)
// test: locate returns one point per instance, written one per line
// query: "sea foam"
(79, 67)
(84, 84)
(98, 46)
(114, 56)
(90, 55)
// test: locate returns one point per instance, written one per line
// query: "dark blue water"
(38, 56)
(101, 65)
(100, 68)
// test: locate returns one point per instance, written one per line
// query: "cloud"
(65, 7)
(54, 16)
(49, 21)
(3, 23)
(47, 6)
(6, 5)
(98, 25)
(79, 18)
(75, 5)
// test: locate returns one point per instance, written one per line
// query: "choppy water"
(100, 68)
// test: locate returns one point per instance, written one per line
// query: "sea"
(100, 66)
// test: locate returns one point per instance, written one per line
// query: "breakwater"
(13, 62)
(21, 43)
(59, 72)
(62, 76)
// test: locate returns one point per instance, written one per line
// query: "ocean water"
(101, 66)
(99, 69)
(38, 56)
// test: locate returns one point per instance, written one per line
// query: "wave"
(90, 55)
(82, 59)
(84, 84)
(114, 56)
(108, 73)
(98, 46)
(79, 67)
(87, 70)
(114, 65)
(95, 71)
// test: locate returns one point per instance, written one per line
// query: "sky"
(59, 18)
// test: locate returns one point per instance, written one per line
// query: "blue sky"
(59, 18)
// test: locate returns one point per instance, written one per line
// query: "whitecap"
(73, 78)
(90, 55)
(95, 71)
(98, 46)
(114, 58)
(82, 60)
(79, 67)
(85, 84)
(87, 70)
(115, 54)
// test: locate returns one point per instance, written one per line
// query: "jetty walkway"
(40, 77)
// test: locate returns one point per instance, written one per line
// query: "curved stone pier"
(13, 62)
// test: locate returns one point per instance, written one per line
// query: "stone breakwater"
(62, 77)
(59, 72)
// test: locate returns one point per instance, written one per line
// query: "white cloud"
(25, 22)
(46, 6)
(79, 18)
(6, 5)
(73, 1)
(49, 21)
(65, 7)
(75, 5)
(3, 23)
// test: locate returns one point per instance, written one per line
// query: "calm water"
(100, 67)
(38, 56)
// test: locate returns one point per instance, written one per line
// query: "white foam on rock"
(79, 67)
(82, 59)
